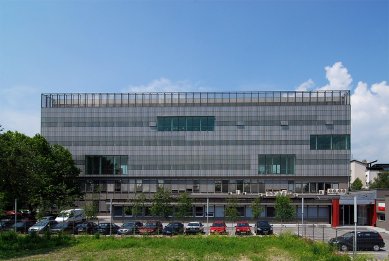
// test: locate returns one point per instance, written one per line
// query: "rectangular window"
(330, 142)
(185, 123)
(276, 164)
(106, 165)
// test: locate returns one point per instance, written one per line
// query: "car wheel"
(376, 247)
(344, 248)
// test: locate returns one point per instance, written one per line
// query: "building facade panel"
(204, 142)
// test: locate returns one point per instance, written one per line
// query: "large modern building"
(211, 145)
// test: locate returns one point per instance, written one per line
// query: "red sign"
(381, 206)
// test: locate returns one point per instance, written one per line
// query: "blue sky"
(115, 46)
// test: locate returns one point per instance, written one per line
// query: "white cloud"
(369, 122)
(305, 86)
(166, 85)
(338, 77)
(369, 113)
(20, 109)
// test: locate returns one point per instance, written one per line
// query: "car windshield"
(131, 224)
(104, 225)
(348, 235)
(83, 225)
(263, 223)
(218, 225)
(194, 224)
(243, 225)
(152, 225)
(41, 223)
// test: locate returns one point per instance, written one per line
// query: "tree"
(184, 205)
(381, 181)
(161, 205)
(257, 208)
(284, 210)
(356, 185)
(232, 209)
(37, 174)
(139, 203)
(91, 210)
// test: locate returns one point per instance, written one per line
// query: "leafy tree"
(37, 174)
(356, 185)
(284, 210)
(257, 207)
(232, 209)
(184, 205)
(139, 203)
(91, 210)
(381, 181)
(161, 205)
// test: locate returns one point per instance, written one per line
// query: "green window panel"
(186, 123)
(106, 165)
(330, 142)
(276, 164)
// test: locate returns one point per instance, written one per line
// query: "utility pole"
(110, 214)
(355, 226)
(302, 216)
(207, 211)
(16, 208)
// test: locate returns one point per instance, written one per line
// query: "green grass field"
(283, 247)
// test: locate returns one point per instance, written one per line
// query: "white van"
(71, 215)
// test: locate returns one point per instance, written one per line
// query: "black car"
(107, 228)
(5, 224)
(173, 228)
(22, 226)
(263, 228)
(86, 227)
(130, 228)
(63, 227)
(365, 240)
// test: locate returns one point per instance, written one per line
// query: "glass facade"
(276, 164)
(106, 165)
(186, 123)
(330, 142)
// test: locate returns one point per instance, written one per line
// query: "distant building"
(372, 171)
(358, 170)
(210, 145)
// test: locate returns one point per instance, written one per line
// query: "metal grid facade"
(246, 126)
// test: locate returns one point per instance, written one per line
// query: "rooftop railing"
(74, 100)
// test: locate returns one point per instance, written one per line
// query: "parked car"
(218, 227)
(71, 215)
(63, 227)
(130, 228)
(5, 224)
(194, 228)
(42, 226)
(107, 228)
(173, 228)
(242, 227)
(365, 240)
(86, 227)
(263, 228)
(22, 226)
(49, 217)
(151, 227)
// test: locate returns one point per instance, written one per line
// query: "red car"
(218, 227)
(242, 227)
(151, 227)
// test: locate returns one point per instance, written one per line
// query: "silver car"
(42, 226)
